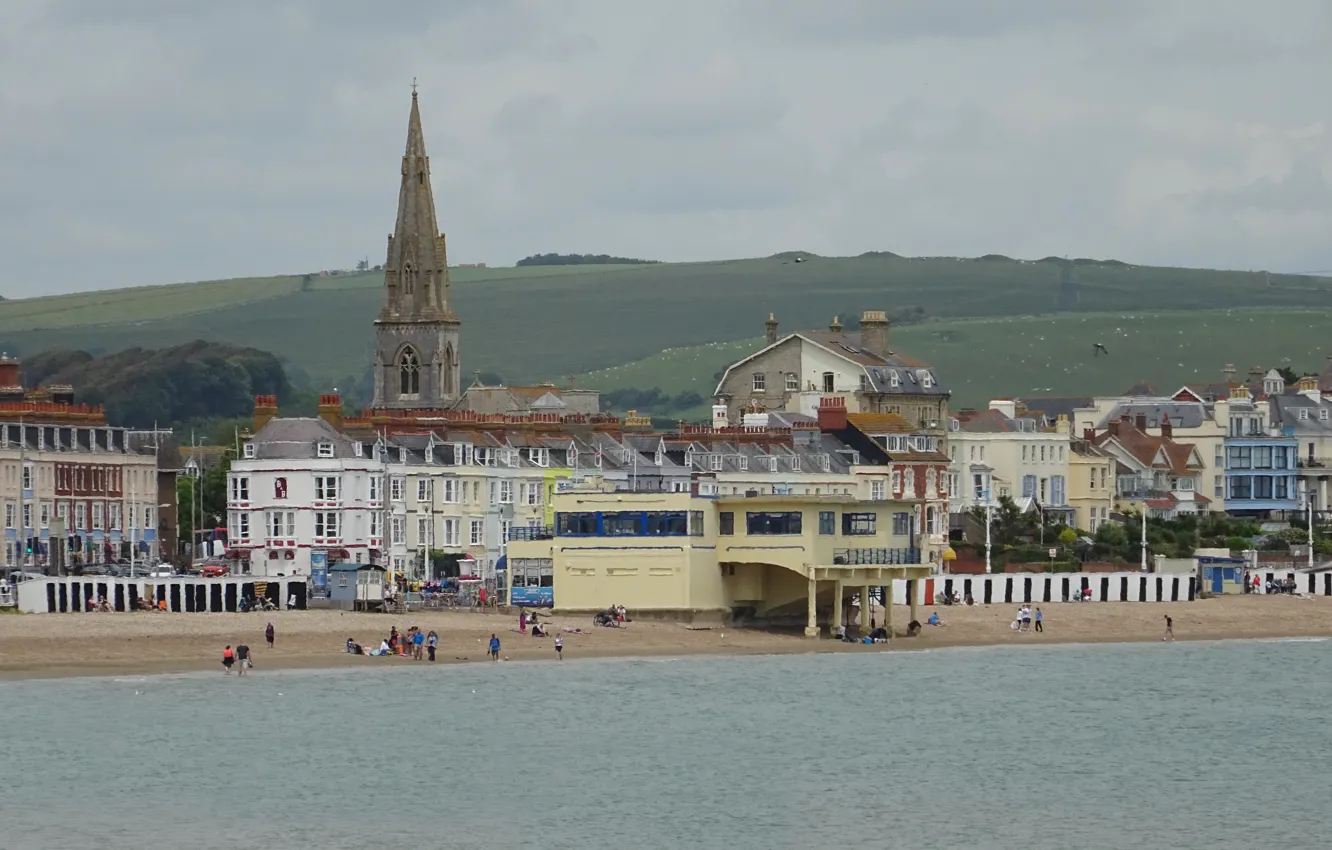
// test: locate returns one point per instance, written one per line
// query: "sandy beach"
(46, 645)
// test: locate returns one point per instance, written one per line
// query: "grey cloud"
(198, 140)
(1304, 189)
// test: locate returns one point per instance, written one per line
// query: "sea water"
(1223, 746)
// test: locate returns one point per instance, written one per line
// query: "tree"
(1068, 538)
(1288, 375)
(363, 265)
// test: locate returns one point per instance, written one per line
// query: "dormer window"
(893, 380)
(358, 449)
(926, 379)
(325, 450)
(1304, 413)
(659, 458)
(429, 454)
(1322, 415)
(744, 463)
(795, 464)
(716, 462)
(247, 451)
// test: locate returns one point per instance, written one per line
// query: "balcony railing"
(1315, 463)
(1142, 493)
(859, 557)
(539, 532)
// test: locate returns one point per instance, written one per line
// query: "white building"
(302, 489)
(1003, 454)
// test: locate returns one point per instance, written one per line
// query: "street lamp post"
(1144, 536)
(1308, 506)
(988, 523)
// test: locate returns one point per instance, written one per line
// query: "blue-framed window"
(859, 523)
(578, 524)
(667, 523)
(773, 522)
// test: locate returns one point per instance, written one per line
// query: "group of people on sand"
(413, 643)
(242, 658)
(1027, 621)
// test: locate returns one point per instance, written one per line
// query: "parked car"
(215, 571)
(162, 571)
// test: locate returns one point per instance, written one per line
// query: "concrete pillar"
(888, 608)
(913, 596)
(1322, 494)
(866, 609)
(812, 616)
(838, 614)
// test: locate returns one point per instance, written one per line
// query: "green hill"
(539, 322)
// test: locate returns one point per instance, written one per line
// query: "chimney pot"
(836, 326)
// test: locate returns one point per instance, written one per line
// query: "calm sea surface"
(1150, 746)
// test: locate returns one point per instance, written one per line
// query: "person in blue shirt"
(494, 648)
(1040, 627)
(934, 619)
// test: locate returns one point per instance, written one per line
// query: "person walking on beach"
(432, 641)
(268, 635)
(228, 659)
(494, 648)
(242, 659)
(1040, 627)
(1170, 628)
(559, 647)
(418, 645)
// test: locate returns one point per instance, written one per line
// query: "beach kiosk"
(356, 587)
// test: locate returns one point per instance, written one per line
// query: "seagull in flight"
(1097, 349)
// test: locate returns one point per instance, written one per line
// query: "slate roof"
(298, 437)
(879, 371)
(1183, 414)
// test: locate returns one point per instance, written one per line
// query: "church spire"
(416, 272)
(416, 358)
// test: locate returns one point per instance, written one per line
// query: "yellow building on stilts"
(764, 560)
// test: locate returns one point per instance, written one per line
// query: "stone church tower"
(416, 334)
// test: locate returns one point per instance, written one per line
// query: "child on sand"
(1170, 628)
(559, 647)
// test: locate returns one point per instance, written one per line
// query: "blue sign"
(319, 569)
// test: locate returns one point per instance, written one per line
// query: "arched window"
(408, 279)
(409, 373)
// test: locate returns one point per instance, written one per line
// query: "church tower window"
(409, 372)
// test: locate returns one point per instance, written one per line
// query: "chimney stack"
(836, 326)
(1089, 434)
(874, 332)
(1255, 374)
(265, 408)
(9, 372)
(330, 410)
(770, 328)
(1112, 427)
(1167, 430)
(832, 413)
(1140, 421)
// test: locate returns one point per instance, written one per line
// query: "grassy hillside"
(550, 321)
(1044, 355)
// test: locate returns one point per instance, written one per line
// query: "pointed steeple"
(416, 272)
(416, 363)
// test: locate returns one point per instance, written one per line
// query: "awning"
(502, 563)
(237, 555)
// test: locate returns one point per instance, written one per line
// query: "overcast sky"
(149, 141)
